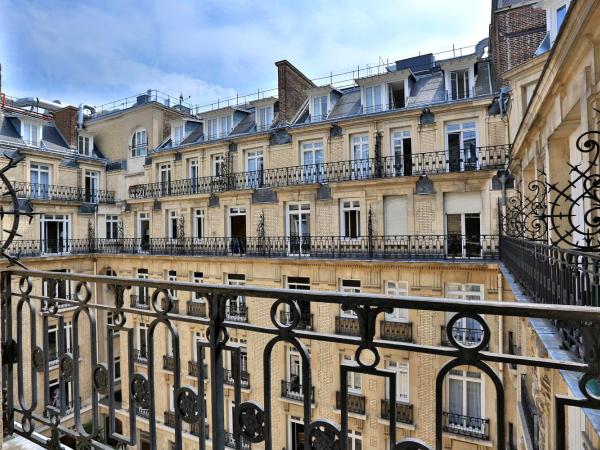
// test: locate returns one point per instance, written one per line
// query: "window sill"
(404, 426)
(472, 440)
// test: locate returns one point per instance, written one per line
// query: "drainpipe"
(82, 108)
(500, 326)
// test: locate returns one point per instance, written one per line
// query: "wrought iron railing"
(231, 441)
(475, 427)
(396, 331)
(26, 362)
(169, 362)
(459, 160)
(194, 368)
(404, 411)
(197, 309)
(39, 191)
(139, 302)
(530, 412)
(305, 323)
(470, 336)
(408, 247)
(230, 380)
(347, 325)
(294, 391)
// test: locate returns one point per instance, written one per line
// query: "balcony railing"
(474, 427)
(170, 419)
(230, 441)
(305, 322)
(404, 411)
(236, 313)
(38, 191)
(295, 391)
(168, 362)
(456, 160)
(195, 429)
(396, 331)
(347, 325)
(194, 368)
(140, 356)
(139, 302)
(197, 309)
(530, 412)
(464, 335)
(230, 380)
(409, 247)
(356, 402)
(22, 349)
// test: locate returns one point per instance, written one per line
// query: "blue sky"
(97, 51)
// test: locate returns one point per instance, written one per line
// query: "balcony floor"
(18, 442)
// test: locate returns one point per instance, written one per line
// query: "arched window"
(139, 143)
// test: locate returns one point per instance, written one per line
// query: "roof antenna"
(180, 97)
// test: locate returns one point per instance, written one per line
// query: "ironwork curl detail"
(525, 214)
(324, 435)
(100, 378)
(140, 390)
(295, 314)
(251, 421)
(187, 404)
(66, 367)
(27, 424)
(469, 346)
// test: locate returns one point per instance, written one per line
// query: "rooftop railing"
(53, 192)
(26, 351)
(407, 247)
(149, 96)
(454, 160)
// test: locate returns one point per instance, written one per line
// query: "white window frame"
(466, 291)
(396, 288)
(31, 133)
(303, 212)
(454, 83)
(199, 223)
(345, 286)
(319, 108)
(193, 168)
(172, 276)
(172, 224)
(462, 127)
(350, 207)
(139, 143)
(212, 128)
(117, 363)
(218, 164)
(196, 298)
(355, 381)
(355, 440)
(369, 99)
(85, 144)
(142, 327)
(465, 378)
(402, 374)
(65, 221)
(225, 125)
(112, 226)
(265, 117)
(40, 190)
(178, 134)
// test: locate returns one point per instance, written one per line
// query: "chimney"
(292, 85)
(66, 122)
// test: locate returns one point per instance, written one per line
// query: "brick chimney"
(517, 29)
(66, 122)
(292, 85)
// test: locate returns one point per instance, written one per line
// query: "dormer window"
(372, 99)
(460, 86)
(226, 124)
(85, 145)
(319, 108)
(218, 127)
(178, 134)
(31, 133)
(265, 117)
(139, 143)
(211, 129)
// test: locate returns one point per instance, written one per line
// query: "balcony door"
(312, 162)
(237, 229)
(39, 177)
(465, 402)
(55, 233)
(254, 163)
(402, 148)
(92, 184)
(296, 434)
(396, 288)
(461, 144)
(402, 377)
(164, 175)
(144, 231)
(298, 228)
(463, 224)
(360, 156)
(294, 372)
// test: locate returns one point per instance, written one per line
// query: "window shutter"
(395, 215)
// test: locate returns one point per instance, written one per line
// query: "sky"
(98, 51)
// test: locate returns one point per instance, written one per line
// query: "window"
(225, 125)
(142, 290)
(198, 223)
(84, 145)
(164, 177)
(254, 163)
(218, 165)
(319, 108)
(197, 277)
(172, 276)
(354, 440)
(265, 117)
(211, 129)
(397, 288)
(465, 402)
(372, 99)
(55, 395)
(350, 219)
(360, 156)
(31, 133)
(353, 287)
(178, 134)
(461, 142)
(402, 152)
(117, 367)
(236, 308)
(560, 16)
(39, 176)
(172, 225)
(139, 143)
(527, 94)
(298, 227)
(142, 336)
(112, 227)
(312, 162)
(92, 184)
(193, 172)
(459, 85)
(354, 378)
(467, 331)
(402, 385)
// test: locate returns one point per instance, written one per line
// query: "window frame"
(349, 208)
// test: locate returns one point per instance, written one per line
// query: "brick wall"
(515, 35)
(66, 121)
(292, 85)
